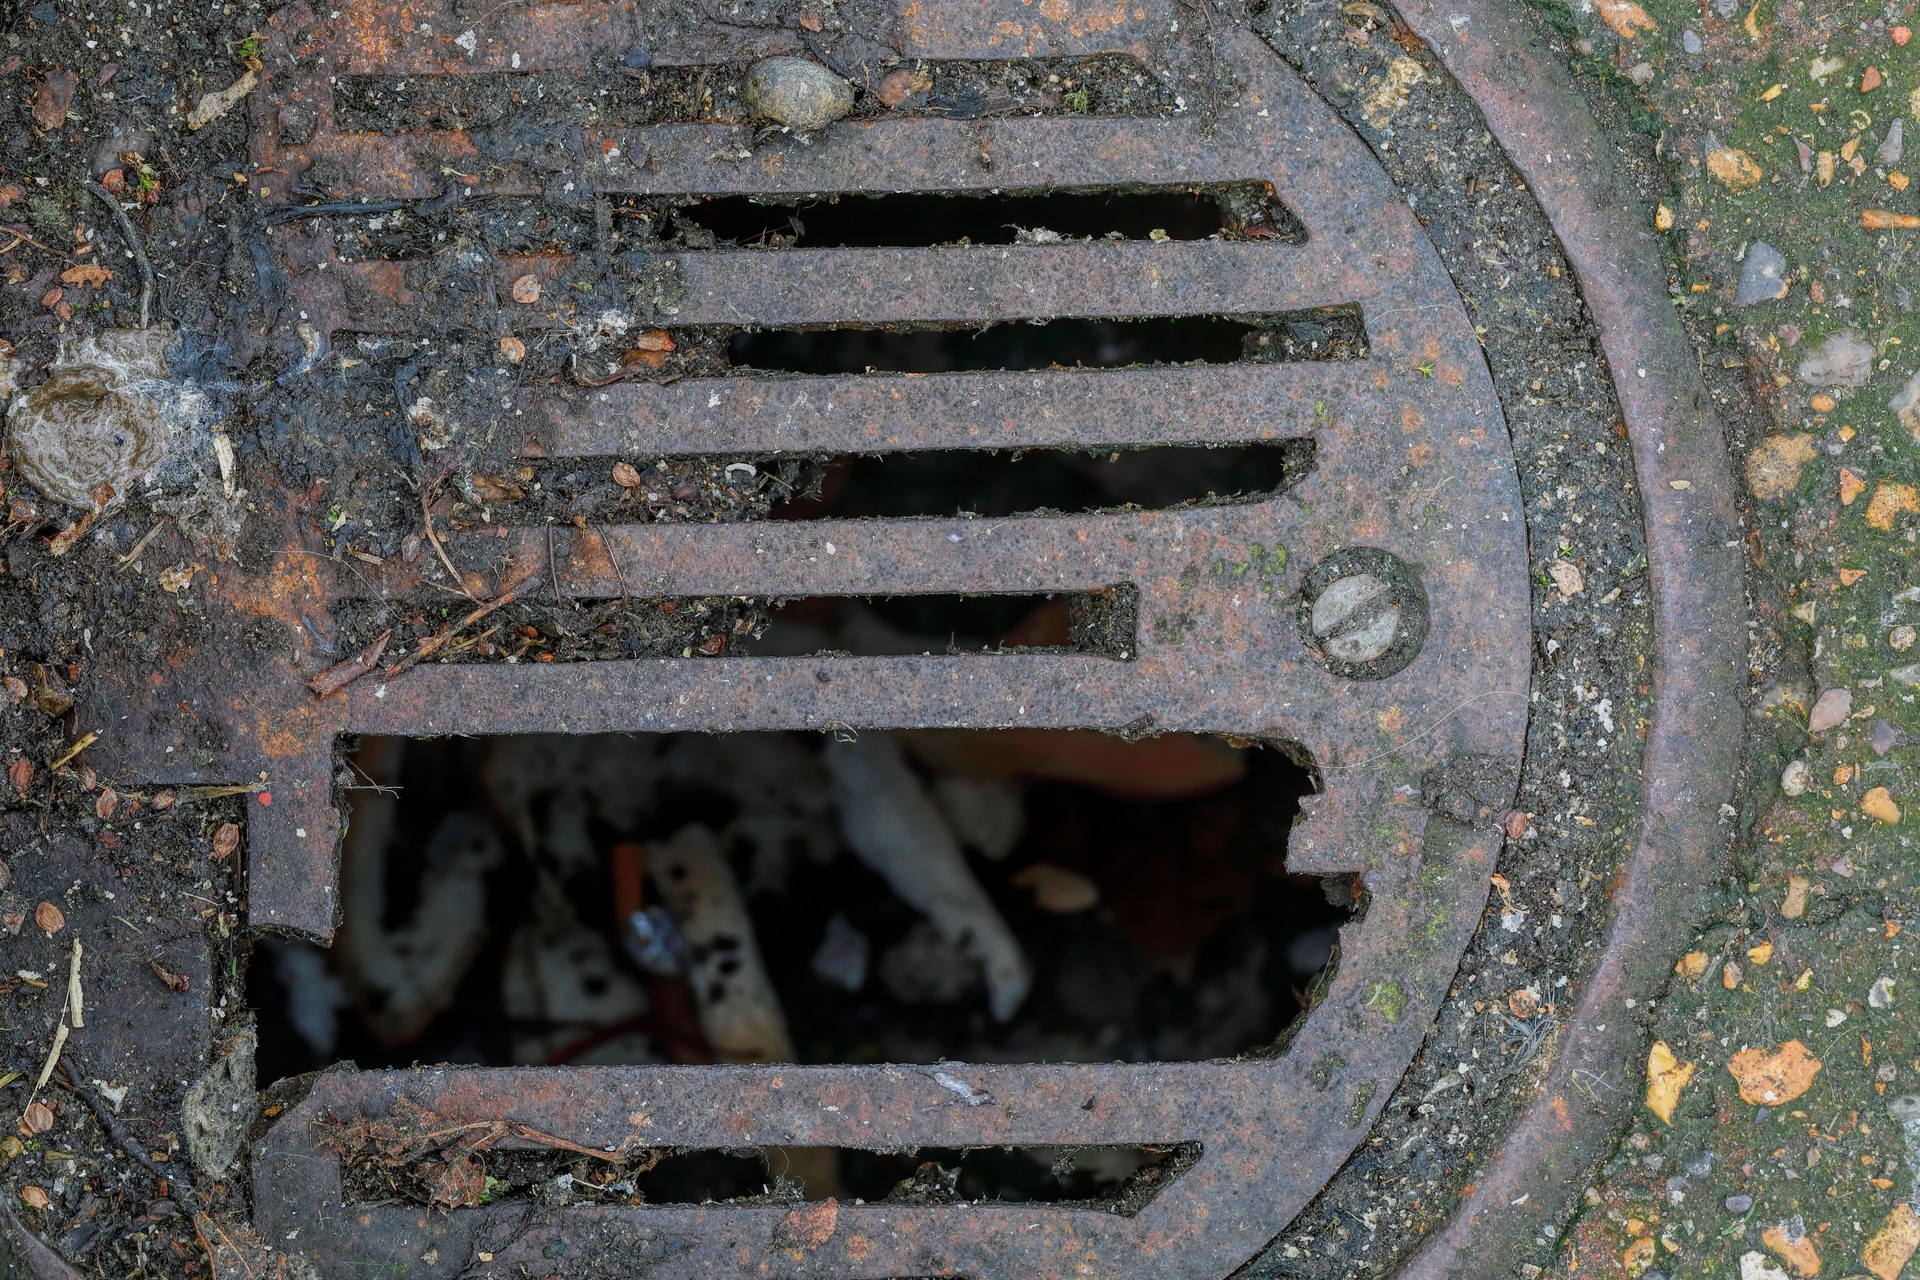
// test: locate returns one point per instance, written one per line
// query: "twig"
(433, 643)
(63, 1028)
(213, 1270)
(19, 236)
(141, 545)
(606, 544)
(126, 1141)
(132, 238)
(426, 514)
(86, 740)
(341, 674)
(553, 571)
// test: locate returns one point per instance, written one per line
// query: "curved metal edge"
(1529, 1181)
(24, 1256)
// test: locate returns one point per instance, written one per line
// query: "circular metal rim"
(1533, 1177)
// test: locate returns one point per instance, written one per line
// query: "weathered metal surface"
(1532, 1179)
(1412, 458)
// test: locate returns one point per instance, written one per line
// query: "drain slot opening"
(1331, 333)
(993, 483)
(695, 898)
(1241, 210)
(1117, 1178)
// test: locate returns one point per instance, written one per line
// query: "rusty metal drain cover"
(1373, 618)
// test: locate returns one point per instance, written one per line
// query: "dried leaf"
(1666, 1077)
(1692, 964)
(458, 1183)
(50, 918)
(38, 1118)
(527, 289)
(106, 803)
(20, 773)
(626, 475)
(176, 981)
(225, 841)
(88, 275)
(35, 1198)
(1770, 1079)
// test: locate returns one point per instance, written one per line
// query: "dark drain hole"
(1333, 333)
(1121, 1179)
(994, 483)
(1096, 622)
(920, 220)
(691, 898)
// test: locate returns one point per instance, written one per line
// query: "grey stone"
(1893, 146)
(1739, 1204)
(1763, 277)
(1690, 40)
(798, 93)
(1844, 360)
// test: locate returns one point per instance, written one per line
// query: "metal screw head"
(1356, 618)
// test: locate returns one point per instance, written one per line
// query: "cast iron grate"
(1381, 600)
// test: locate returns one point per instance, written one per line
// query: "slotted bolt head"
(1356, 618)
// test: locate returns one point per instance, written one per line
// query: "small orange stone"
(1870, 79)
(1823, 403)
(1898, 181)
(1851, 486)
(1901, 35)
(1850, 576)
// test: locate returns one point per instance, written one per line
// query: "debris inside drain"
(904, 896)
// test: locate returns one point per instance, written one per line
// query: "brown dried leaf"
(88, 275)
(20, 774)
(35, 1198)
(106, 803)
(1769, 1079)
(457, 1183)
(50, 918)
(176, 981)
(38, 1118)
(626, 475)
(225, 841)
(51, 103)
(497, 489)
(654, 340)
(527, 289)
